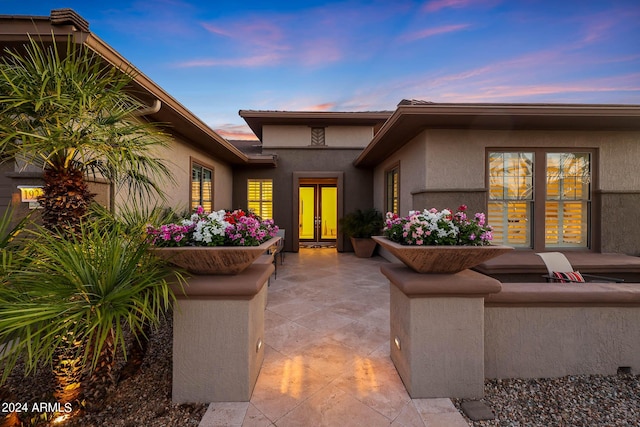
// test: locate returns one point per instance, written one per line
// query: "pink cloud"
(436, 5)
(216, 30)
(256, 31)
(327, 106)
(484, 92)
(502, 89)
(309, 37)
(429, 32)
(250, 61)
(320, 51)
(236, 132)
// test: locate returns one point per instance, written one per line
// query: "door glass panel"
(329, 213)
(307, 212)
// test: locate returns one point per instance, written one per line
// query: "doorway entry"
(318, 212)
(317, 206)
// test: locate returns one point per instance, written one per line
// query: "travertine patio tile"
(332, 407)
(293, 310)
(289, 337)
(352, 309)
(378, 317)
(230, 414)
(283, 384)
(331, 366)
(255, 418)
(409, 417)
(323, 321)
(374, 381)
(434, 406)
(362, 337)
(273, 320)
(328, 358)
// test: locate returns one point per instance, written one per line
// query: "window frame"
(261, 201)
(204, 166)
(390, 200)
(538, 211)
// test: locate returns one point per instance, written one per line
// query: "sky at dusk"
(218, 57)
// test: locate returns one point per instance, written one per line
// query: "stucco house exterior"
(549, 176)
(315, 181)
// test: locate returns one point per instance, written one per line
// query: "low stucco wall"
(540, 330)
(436, 330)
(218, 332)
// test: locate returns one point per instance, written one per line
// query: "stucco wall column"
(218, 336)
(437, 331)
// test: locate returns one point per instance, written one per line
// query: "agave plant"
(70, 306)
(68, 112)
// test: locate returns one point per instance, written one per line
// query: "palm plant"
(10, 251)
(362, 223)
(72, 114)
(70, 306)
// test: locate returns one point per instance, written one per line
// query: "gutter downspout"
(152, 109)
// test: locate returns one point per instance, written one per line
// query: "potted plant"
(219, 242)
(360, 225)
(432, 241)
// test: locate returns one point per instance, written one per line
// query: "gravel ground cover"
(142, 400)
(584, 400)
(145, 399)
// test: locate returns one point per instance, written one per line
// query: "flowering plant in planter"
(218, 228)
(432, 227)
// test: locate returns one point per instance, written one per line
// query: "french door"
(318, 212)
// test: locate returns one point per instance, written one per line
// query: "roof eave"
(409, 120)
(228, 152)
(257, 119)
(16, 29)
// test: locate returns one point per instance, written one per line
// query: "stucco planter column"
(437, 331)
(218, 335)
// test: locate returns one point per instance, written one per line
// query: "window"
(201, 187)
(567, 199)
(561, 184)
(260, 197)
(511, 197)
(392, 189)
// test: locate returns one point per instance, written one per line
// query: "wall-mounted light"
(396, 341)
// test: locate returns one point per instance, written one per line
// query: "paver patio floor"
(327, 352)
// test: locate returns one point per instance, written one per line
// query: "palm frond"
(84, 286)
(69, 109)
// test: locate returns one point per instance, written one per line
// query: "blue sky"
(217, 57)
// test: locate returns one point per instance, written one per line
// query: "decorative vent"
(317, 136)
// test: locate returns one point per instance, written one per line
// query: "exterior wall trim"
(449, 190)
